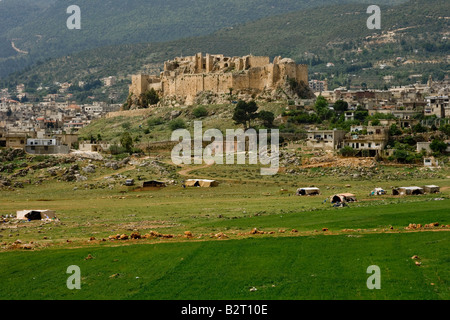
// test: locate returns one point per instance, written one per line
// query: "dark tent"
(34, 215)
(153, 184)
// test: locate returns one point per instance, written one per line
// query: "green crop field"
(250, 238)
(310, 267)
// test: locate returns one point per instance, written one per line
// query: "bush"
(126, 141)
(115, 149)
(148, 98)
(438, 146)
(419, 128)
(267, 118)
(154, 122)
(347, 151)
(177, 124)
(126, 125)
(403, 156)
(200, 112)
(394, 130)
(446, 129)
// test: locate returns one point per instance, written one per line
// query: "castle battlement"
(185, 77)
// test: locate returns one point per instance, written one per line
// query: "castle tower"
(430, 81)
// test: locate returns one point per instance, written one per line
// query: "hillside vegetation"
(39, 27)
(414, 31)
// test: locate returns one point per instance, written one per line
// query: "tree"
(148, 98)
(361, 114)
(347, 151)
(394, 130)
(401, 156)
(438, 146)
(321, 107)
(419, 128)
(267, 118)
(126, 141)
(446, 129)
(340, 106)
(301, 89)
(245, 112)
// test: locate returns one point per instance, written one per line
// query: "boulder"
(89, 169)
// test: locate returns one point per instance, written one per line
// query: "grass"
(309, 264)
(321, 267)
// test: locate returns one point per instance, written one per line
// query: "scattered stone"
(123, 237)
(89, 169)
(135, 235)
(256, 231)
(27, 246)
(220, 235)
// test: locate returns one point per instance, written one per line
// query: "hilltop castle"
(185, 77)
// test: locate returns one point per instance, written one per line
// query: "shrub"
(200, 112)
(126, 125)
(267, 118)
(115, 149)
(438, 146)
(394, 130)
(177, 124)
(126, 141)
(347, 151)
(154, 122)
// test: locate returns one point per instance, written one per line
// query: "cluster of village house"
(404, 103)
(48, 127)
(51, 127)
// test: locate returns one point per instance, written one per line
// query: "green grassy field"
(281, 264)
(312, 267)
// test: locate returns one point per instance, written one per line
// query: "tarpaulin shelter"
(407, 191)
(432, 189)
(153, 184)
(308, 191)
(204, 183)
(35, 214)
(378, 192)
(343, 197)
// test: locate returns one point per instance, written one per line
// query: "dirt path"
(119, 171)
(17, 49)
(186, 172)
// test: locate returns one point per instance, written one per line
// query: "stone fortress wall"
(187, 76)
